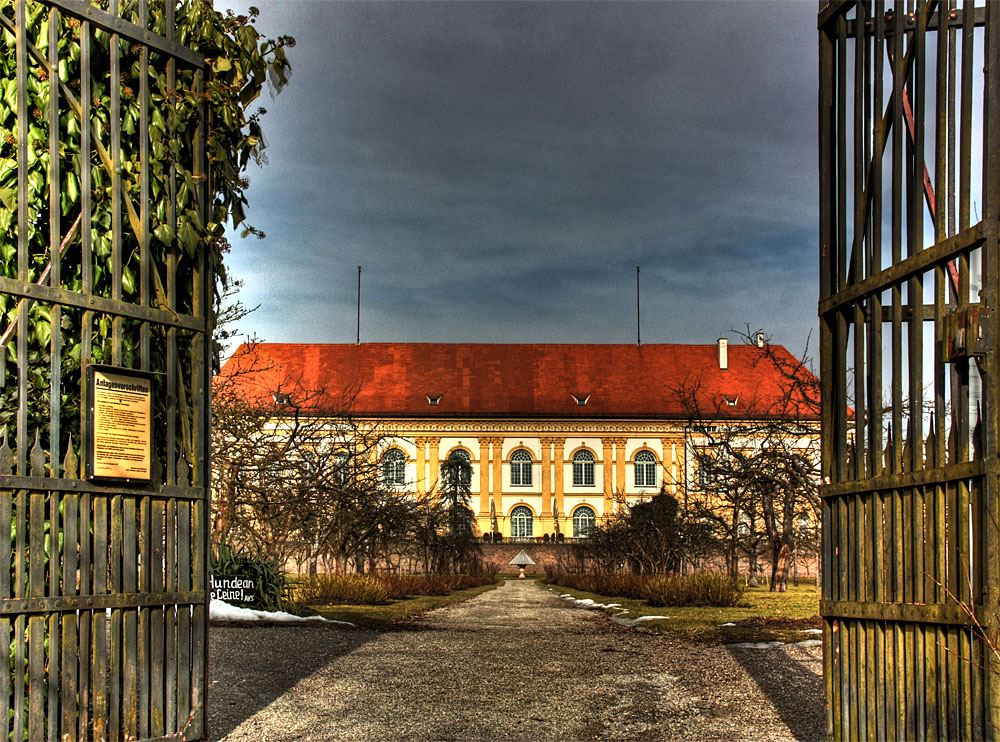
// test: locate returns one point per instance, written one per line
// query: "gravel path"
(516, 663)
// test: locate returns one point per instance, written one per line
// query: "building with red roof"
(558, 435)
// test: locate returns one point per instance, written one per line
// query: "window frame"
(576, 520)
(583, 468)
(522, 519)
(467, 474)
(644, 464)
(396, 458)
(521, 468)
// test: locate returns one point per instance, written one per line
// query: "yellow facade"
(552, 496)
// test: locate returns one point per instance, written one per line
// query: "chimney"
(723, 353)
(759, 339)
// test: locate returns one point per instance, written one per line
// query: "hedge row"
(378, 589)
(698, 589)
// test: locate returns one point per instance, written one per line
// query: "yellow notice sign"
(121, 425)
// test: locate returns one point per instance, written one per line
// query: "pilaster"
(421, 478)
(497, 457)
(620, 464)
(435, 466)
(559, 457)
(484, 476)
(546, 477)
(607, 456)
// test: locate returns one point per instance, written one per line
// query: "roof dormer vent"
(723, 353)
(759, 339)
(580, 399)
(434, 399)
(731, 399)
(281, 399)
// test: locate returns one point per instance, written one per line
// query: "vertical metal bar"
(100, 657)
(991, 363)
(174, 634)
(200, 448)
(117, 188)
(960, 402)
(117, 637)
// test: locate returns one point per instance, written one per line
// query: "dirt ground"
(516, 663)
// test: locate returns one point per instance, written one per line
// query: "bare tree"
(757, 466)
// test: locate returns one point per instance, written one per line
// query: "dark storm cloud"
(500, 168)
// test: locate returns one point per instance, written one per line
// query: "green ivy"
(239, 63)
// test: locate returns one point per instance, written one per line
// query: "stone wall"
(541, 553)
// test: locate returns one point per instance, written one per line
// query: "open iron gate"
(909, 155)
(105, 606)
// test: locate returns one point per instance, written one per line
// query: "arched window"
(341, 469)
(583, 469)
(464, 459)
(706, 471)
(520, 468)
(645, 469)
(583, 521)
(521, 522)
(394, 467)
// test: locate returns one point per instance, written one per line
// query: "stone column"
(668, 463)
(497, 444)
(421, 478)
(546, 477)
(607, 456)
(435, 473)
(484, 476)
(620, 464)
(559, 457)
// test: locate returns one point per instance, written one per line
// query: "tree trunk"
(779, 569)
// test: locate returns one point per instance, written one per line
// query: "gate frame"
(903, 653)
(156, 684)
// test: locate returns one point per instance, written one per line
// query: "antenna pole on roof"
(638, 335)
(359, 305)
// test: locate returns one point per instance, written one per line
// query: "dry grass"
(760, 616)
(381, 617)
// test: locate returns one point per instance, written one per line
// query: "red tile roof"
(389, 380)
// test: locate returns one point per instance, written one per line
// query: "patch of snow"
(727, 624)
(813, 631)
(774, 645)
(222, 611)
(650, 618)
(809, 643)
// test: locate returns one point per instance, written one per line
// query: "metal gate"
(909, 154)
(105, 607)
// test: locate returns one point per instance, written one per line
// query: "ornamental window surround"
(521, 522)
(394, 468)
(645, 469)
(583, 469)
(520, 468)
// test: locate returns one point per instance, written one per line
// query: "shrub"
(272, 590)
(700, 589)
(350, 589)
(623, 585)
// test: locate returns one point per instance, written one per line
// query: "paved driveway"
(516, 663)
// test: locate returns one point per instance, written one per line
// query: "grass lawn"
(760, 616)
(383, 616)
